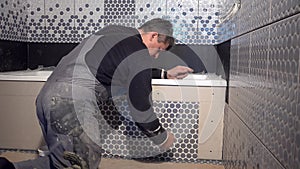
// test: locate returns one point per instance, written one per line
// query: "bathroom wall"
(13, 20)
(60, 25)
(13, 55)
(54, 27)
(195, 21)
(262, 116)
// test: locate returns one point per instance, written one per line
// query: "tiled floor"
(122, 164)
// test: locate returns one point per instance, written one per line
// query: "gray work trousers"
(63, 132)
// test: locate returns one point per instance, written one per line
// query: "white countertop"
(190, 80)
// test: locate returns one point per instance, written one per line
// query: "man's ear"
(154, 35)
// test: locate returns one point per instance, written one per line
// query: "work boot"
(76, 161)
(5, 164)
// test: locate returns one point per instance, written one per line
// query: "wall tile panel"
(184, 16)
(264, 91)
(195, 22)
(260, 13)
(209, 13)
(233, 81)
(244, 17)
(242, 149)
(36, 23)
(259, 55)
(59, 21)
(13, 20)
(88, 18)
(283, 76)
(146, 10)
(281, 9)
(120, 12)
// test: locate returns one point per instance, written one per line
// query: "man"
(113, 62)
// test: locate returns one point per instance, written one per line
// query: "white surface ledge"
(193, 80)
(26, 75)
(190, 80)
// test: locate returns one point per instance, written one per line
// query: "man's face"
(157, 48)
(154, 47)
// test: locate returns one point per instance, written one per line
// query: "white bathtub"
(207, 91)
(190, 80)
(26, 75)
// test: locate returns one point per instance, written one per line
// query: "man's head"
(157, 35)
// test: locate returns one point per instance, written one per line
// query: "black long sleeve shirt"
(120, 60)
(114, 57)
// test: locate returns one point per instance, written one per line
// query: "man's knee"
(63, 117)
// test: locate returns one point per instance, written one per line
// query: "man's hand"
(179, 72)
(169, 143)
